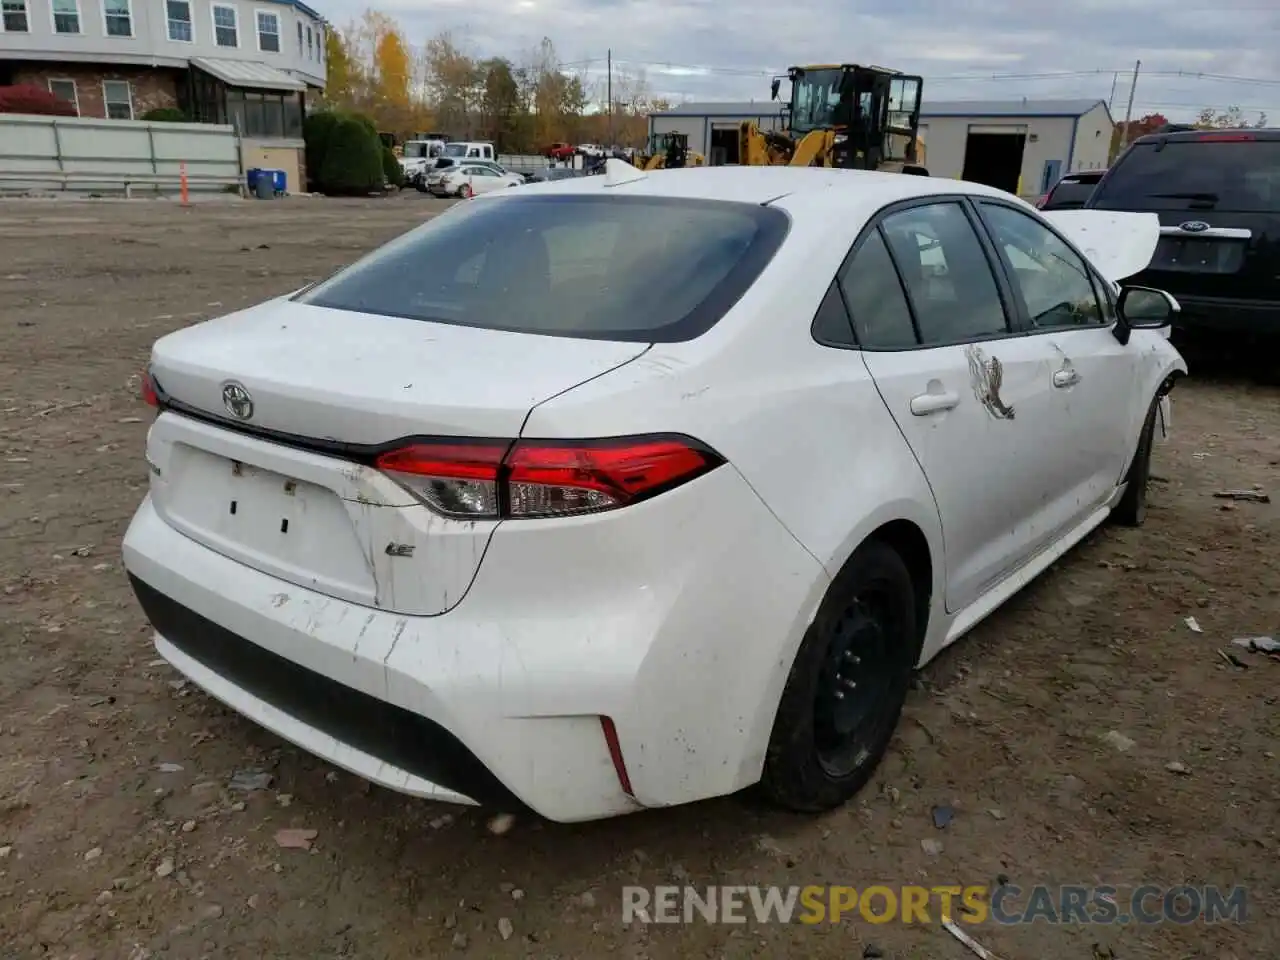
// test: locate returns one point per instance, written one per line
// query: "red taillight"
(1225, 137)
(497, 479)
(1042, 201)
(454, 478)
(150, 396)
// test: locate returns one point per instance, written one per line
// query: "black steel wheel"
(848, 684)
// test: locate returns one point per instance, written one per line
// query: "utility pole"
(1128, 113)
(609, 88)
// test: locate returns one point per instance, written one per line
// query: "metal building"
(1022, 146)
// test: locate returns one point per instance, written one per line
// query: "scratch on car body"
(401, 624)
(986, 376)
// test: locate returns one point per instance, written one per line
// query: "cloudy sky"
(1194, 53)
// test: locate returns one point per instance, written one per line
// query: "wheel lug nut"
(839, 695)
(848, 684)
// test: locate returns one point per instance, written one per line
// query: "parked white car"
(446, 167)
(650, 493)
(472, 179)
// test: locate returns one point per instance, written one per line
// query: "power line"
(957, 77)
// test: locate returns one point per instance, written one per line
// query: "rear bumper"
(1259, 318)
(679, 624)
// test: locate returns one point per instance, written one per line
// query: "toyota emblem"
(237, 400)
(1194, 226)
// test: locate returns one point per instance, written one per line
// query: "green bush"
(352, 163)
(317, 132)
(166, 115)
(391, 168)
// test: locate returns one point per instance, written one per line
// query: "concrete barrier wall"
(116, 149)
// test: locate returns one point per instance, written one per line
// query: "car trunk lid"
(290, 489)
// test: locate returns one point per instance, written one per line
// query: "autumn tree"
(375, 69)
(1149, 123)
(450, 81)
(1211, 118)
(343, 72)
(500, 108)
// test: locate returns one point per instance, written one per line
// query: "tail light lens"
(150, 395)
(525, 479)
(1044, 198)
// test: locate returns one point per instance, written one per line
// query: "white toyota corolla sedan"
(626, 491)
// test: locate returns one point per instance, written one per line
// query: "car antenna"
(617, 172)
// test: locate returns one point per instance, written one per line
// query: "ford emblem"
(237, 400)
(1194, 226)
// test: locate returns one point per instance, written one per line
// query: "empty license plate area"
(289, 528)
(1199, 255)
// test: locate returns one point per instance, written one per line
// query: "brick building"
(250, 63)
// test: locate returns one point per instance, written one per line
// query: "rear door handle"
(1065, 377)
(928, 403)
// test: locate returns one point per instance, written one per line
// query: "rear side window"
(1235, 176)
(876, 302)
(649, 269)
(947, 275)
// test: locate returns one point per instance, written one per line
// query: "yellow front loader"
(668, 151)
(842, 115)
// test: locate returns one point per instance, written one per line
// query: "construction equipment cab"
(844, 115)
(668, 151)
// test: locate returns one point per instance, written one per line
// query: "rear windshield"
(1236, 176)
(1071, 193)
(649, 269)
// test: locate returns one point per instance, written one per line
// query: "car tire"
(847, 686)
(1131, 510)
(465, 191)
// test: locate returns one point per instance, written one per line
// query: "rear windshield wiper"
(1206, 197)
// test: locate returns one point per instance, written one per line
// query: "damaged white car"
(626, 491)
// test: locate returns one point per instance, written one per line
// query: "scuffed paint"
(985, 377)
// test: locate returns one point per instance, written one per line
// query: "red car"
(561, 151)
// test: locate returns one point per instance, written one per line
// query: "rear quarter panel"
(805, 427)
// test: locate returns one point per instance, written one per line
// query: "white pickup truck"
(418, 155)
(432, 172)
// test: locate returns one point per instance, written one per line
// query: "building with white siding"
(1022, 146)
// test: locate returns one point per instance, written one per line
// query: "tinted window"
(1069, 194)
(831, 323)
(605, 267)
(1236, 176)
(1053, 281)
(947, 275)
(881, 317)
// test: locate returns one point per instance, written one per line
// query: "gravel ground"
(122, 833)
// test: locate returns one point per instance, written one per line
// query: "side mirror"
(774, 87)
(1145, 308)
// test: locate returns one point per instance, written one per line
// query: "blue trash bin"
(279, 180)
(251, 178)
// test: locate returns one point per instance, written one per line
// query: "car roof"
(1188, 136)
(769, 184)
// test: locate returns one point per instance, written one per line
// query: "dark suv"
(1217, 194)
(1072, 191)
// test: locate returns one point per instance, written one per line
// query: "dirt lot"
(121, 834)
